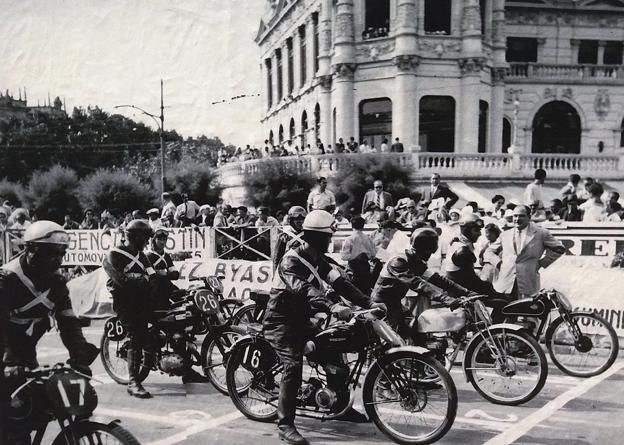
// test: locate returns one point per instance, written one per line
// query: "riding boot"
(135, 389)
(289, 434)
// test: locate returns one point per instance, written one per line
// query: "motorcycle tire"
(95, 432)
(110, 350)
(378, 394)
(525, 348)
(213, 362)
(554, 344)
(247, 314)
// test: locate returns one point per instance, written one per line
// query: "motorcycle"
(253, 311)
(63, 394)
(502, 362)
(396, 397)
(580, 344)
(200, 310)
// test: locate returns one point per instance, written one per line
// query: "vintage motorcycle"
(252, 311)
(396, 396)
(200, 310)
(502, 362)
(580, 343)
(63, 394)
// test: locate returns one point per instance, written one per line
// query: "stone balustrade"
(575, 73)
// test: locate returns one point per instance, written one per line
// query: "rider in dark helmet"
(129, 274)
(298, 287)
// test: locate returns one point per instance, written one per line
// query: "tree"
(357, 177)
(199, 180)
(116, 191)
(12, 191)
(277, 186)
(51, 194)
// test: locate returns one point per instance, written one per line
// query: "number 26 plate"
(113, 329)
(206, 301)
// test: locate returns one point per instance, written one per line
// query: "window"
(506, 134)
(278, 56)
(375, 121)
(269, 71)
(556, 129)
(291, 131)
(438, 17)
(304, 129)
(521, 49)
(291, 76)
(280, 134)
(316, 41)
(437, 124)
(483, 8)
(483, 125)
(622, 134)
(588, 51)
(613, 53)
(303, 55)
(271, 138)
(377, 19)
(317, 122)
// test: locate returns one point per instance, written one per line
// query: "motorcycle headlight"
(563, 300)
(482, 313)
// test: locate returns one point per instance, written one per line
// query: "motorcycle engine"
(171, 363)
(308, 391)
(326, 398)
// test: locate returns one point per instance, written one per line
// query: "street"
(568, 411)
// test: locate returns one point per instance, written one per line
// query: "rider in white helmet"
(298, 289)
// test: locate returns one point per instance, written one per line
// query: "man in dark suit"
(397, 147)
(378, 196)
(438, 190)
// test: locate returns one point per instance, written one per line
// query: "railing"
(576, 73)
(570, 163)
(465, 163)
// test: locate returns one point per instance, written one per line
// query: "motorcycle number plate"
(206, 301)
(71, 395)
(114, 330)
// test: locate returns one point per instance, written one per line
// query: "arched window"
(506, 134)
(556, 129)
(483, 125)
(291, 130)
(304, 129)
(280, 135)
(375, 121)
(271, 138)
(622, 134)
(437, 124)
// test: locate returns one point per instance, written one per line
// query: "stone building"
(446, 76)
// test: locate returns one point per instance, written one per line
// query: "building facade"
(446, 76)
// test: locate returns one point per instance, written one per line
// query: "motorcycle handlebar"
(463, 301)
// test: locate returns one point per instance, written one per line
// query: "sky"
(107, 53)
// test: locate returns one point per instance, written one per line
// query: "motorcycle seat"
(260, 297)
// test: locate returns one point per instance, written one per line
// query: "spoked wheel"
(248, 314)
(508, 368)
(214, 356)
(582, 344)
(114, 356)
(404, 403)
(253, 380)
(89, 433)
(229, 306)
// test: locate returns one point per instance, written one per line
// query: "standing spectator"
(378, 196)
(221, 217)
(538, 214)
(533, 194)
(187, 212)
(89, 222)
(571, 188)
(384, 146)
(525, 249)
(498, 201)
(341, 220)
(168, 206)
(265, 219)
(243, 218)
(584, 193)
(364, 147)
(206, 216)
(321, 198)
(357, 250)
(594, 209)
(4, 218)
(352, 146)
(411, 216)
(614, 209)
(438, 190)
(320, 148)
(339, 147)
(555, 210)
(153, 217)
(397, 147)
(108, 220)
(370, 214)
(490, 254)
(69, 223)
(264, 223)
(571, 212)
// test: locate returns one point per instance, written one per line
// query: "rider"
(164, 295)
(291, 236)
(298, 286)
(34, 296)
(409, 271)
(130, 281)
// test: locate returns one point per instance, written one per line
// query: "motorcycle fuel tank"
(340, 338)
(525, 306)
(441, 320)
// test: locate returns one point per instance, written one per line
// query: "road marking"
(46, 351)
(532, 420)
(473, 413)
(107, 412)
(197, 428)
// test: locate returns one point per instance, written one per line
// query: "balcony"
(549, 73)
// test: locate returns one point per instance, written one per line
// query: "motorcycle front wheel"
(247, 314)
(505, 367)
(582, 344)
(114, 356)
(87, 433)
(214, 360)
(403, 400)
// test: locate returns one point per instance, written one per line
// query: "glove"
(342, 312)
(13, 371)
(379, 307)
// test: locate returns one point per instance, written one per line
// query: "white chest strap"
(133, 260)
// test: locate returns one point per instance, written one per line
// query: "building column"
(574, 50)
(324, 72)
(310, 46)
(274, 76)
(344, 68)
(285, 69)
(499, 69)
(296, 60)
(326, 110)
(601, 51)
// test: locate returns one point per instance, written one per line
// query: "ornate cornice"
(325, 81)
(345, 70)
(470, 65)
(498, 75)
(406, 62)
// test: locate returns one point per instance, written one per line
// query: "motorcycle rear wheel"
(592, 354)
(87, 432)
(115, 361)
(247, 314)
(405, 402)
(213, 362)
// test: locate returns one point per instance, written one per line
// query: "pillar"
(324, 72)
(310, 47)
(499, 69)
(344, 69)
(296, 59)
(274, 101)
(285, 68)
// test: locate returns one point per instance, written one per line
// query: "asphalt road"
(568, 411)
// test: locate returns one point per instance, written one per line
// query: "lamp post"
(514, 147)
(160, 122)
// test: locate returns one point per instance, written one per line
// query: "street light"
(161, 126)
(512, 149)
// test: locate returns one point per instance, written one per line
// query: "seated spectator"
(613, 208)
(594, 210)
(341, 220)
(411, 215)
(571, 212)
(243, 218)
(538, 214)
(68, 224)
(584, 194)
(89, 222)
(571, 188)
(553, 213)
(153, 217)
(370, 215)
(108, 220)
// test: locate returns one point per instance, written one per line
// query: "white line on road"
(107, 412)
(198, 428)
(529, 422)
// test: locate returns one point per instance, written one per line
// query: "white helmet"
(319, 221)
(46, 232)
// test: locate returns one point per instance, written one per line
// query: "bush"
(52, 193)
(277, 186)
(12, 191)
(357, 177)
(116, 191)
(199, 180)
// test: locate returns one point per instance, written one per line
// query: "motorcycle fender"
(417, 349)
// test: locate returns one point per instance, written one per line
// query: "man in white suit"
(525, 249)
